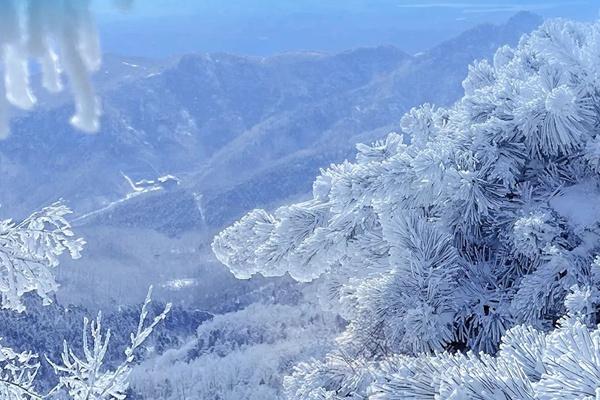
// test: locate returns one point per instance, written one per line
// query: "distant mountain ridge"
(315, 122)
(169, 119)
(360, 115)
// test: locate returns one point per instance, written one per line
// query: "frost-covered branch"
(30, 251)
(564, 364)
(86, 377)
(17, 374)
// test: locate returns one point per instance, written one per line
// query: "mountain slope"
(166, 118)
(271, 154)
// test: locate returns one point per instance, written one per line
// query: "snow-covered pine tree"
(478, 222)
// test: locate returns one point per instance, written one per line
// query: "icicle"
(50, 33)
(39, 46)
(16, 78)
(80, 56)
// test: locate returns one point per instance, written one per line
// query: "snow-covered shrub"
(29, 253)
(486, 221)
(42, 329)
(85, 377)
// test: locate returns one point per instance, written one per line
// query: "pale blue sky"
(170, 27)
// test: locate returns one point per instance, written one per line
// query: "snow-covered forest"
(163, 235)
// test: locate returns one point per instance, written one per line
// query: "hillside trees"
(239, 355)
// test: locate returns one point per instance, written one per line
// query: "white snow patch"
(178, 284)
(199, 197)
(580, 204)
(130, 64)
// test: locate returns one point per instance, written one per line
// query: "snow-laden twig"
(87, 378)
(30, 251)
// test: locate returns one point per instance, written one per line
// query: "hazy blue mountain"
(170, 119)
(282, 118)
(239, 132)
(284, 151)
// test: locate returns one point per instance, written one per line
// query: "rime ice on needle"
(60, 36)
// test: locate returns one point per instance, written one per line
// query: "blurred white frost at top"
(61, 36)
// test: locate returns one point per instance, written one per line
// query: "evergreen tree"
(454, 248)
